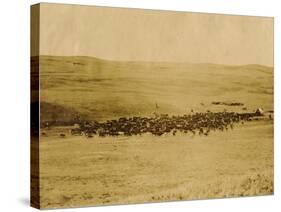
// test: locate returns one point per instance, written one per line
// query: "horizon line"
(157, 61)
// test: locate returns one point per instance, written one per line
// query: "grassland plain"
(76, 170)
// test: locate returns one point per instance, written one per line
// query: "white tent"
(259, 111)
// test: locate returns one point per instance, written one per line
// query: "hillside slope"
(108, 89)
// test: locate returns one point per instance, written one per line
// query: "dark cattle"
(163, 123)
(76, 131)
(62, 135)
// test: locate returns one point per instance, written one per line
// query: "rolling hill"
(101, 89)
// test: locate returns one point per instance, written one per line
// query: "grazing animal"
(76, 131)
(201, 131)
(62, 135)
(199, 122)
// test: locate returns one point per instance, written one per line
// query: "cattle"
(76, 131)
(161, 124)
(62, 135)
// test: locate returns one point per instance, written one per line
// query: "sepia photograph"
(137, 106)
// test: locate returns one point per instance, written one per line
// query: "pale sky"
(149, 35)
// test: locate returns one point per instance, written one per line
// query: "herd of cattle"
(197, 123)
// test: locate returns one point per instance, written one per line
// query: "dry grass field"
(84, 171)
(76, 170)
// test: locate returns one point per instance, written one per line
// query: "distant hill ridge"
(104, 89)
(100, 60)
